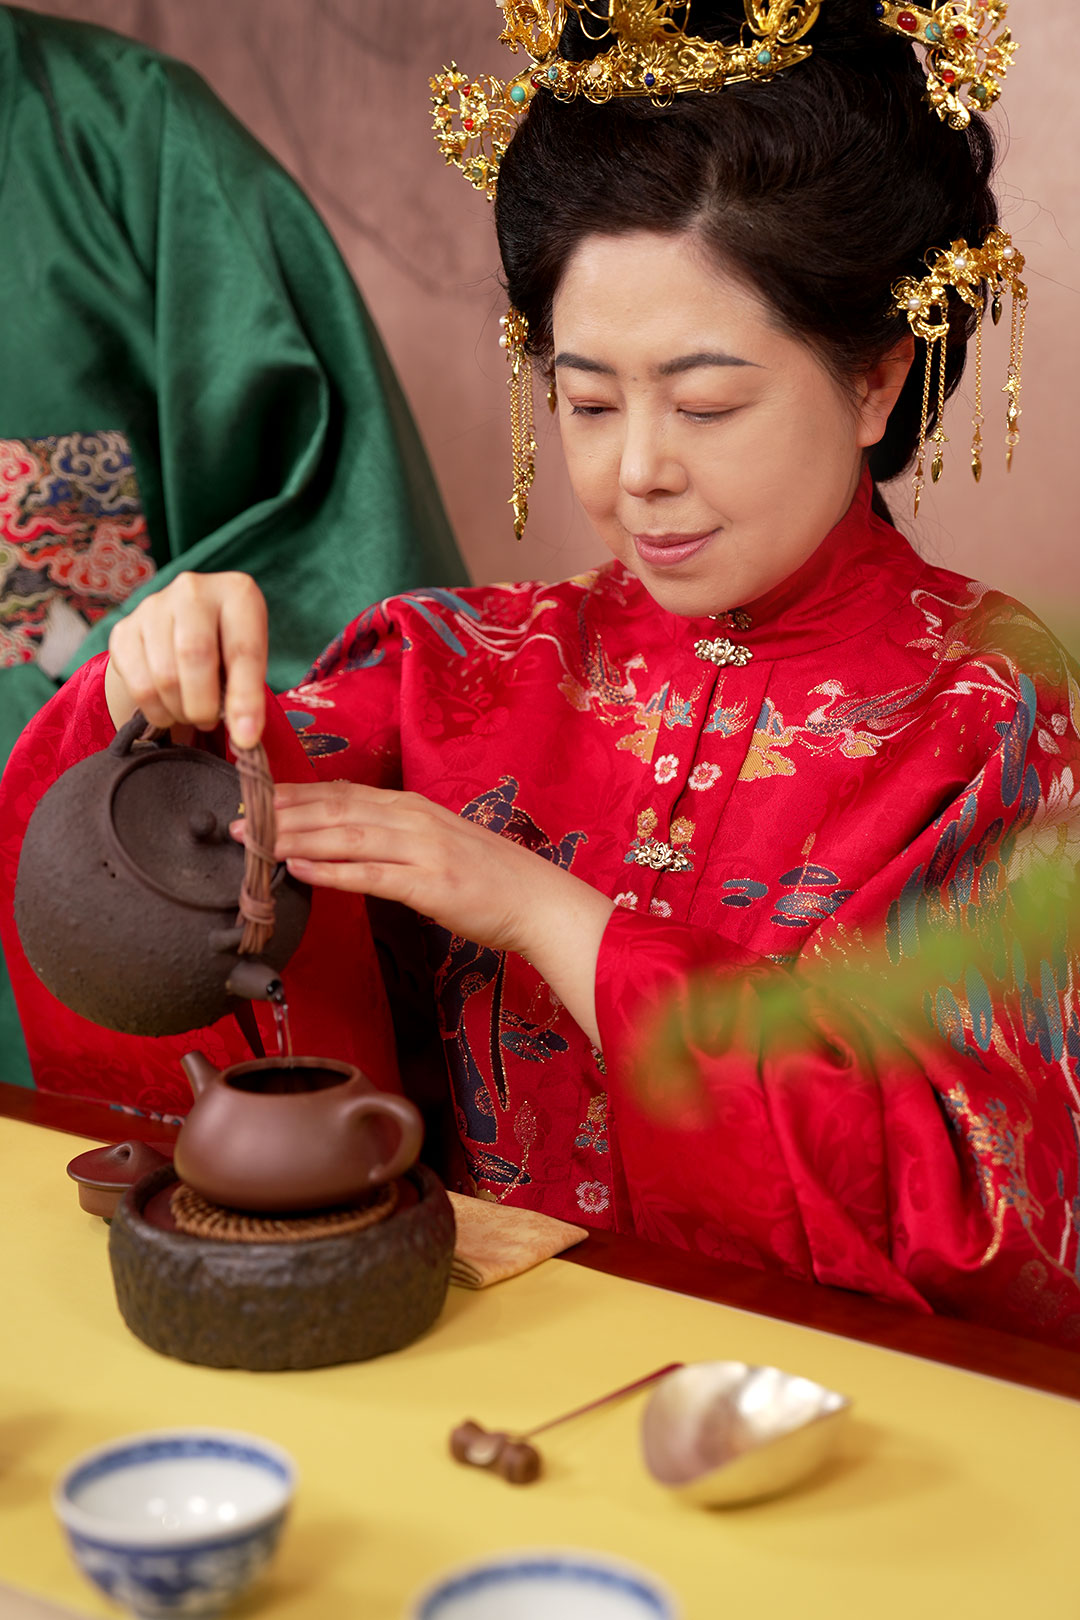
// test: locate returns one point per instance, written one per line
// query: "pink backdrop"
(338, 90)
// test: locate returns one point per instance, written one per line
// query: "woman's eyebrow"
(706, 357)
(670, 368)
(578, 362)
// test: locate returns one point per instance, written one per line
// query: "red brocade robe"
(900, 746)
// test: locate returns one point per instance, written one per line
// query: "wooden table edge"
(965, 1345)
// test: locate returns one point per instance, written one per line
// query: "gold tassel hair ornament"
(967, 51)
(514, 339)
(978, 276)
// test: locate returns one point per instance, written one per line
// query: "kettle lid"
(169, 815)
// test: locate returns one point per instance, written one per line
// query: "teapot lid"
(170, 810)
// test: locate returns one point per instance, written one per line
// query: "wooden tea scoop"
(511, 1455)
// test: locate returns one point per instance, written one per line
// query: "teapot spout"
(254, 980)
(199, 1070)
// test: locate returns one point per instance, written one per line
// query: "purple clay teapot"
(290, 1134)
(129, 887)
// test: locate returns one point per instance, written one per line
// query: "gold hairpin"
(975, 274)
(968, 47)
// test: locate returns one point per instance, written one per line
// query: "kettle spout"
(254, 980)
(199, 1070)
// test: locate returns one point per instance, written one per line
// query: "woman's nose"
(646, 466)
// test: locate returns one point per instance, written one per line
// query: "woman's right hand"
(170, 655)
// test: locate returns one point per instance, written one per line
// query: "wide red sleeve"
(335, 993)
(897, 1111)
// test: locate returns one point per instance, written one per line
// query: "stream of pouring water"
(281, 1025)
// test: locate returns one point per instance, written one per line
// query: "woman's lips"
(665, 550)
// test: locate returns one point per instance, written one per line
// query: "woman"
(637, 808)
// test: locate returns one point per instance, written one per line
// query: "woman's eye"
(705, 416)
(588, 410)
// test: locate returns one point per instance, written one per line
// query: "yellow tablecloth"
(958, 1498)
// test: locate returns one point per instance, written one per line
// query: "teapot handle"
(134, 731)
(408, 1119)
(257, 905)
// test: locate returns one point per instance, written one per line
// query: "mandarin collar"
(858, 574)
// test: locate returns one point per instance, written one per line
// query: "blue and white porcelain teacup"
(537, 1584)
(176, 1521)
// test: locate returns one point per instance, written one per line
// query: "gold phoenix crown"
(968, 51)
(652, 56)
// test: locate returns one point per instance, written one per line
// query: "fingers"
(401, 846)
(388, 881)
(244, 651)
(300, 807)
(342, 821)
(132, 661)
(167, 656)
(377, 841)
(337, 796)
(348, 843)
(180, 635)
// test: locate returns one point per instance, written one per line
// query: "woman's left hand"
(401, 846)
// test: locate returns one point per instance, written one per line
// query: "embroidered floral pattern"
(593, 1197)
(593, 1130)
(666, 768)
(627, 899)
(659, 908)
(656, 853)
(704, 776)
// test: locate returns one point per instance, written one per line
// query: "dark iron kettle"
(129, 885)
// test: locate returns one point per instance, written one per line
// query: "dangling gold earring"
(1016, 363)
(515, 336)
(918, 481)
(940, 438)
(552, 396)
(978, 418)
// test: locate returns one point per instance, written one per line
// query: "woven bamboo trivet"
(199, 1218)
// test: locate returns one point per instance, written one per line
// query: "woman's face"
(711, 451)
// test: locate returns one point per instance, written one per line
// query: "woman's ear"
(878, 389)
